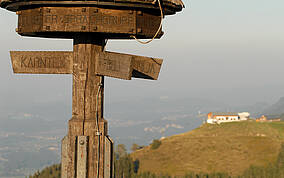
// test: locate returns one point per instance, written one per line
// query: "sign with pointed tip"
(116, 65)
(42, 62)
(146, 68)
(125, 66)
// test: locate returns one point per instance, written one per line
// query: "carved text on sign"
(125, 66)
(88, 19)
(42, 62)
(99, 19)
(110, 64)
(117, 65)
(147, 68)
(114, 65)
(144, 66)
(66, 20)
(102, 19)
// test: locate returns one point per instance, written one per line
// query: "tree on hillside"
(136, 147)
(120, 150)
(124, 167)
(49, 172)
(156, 144)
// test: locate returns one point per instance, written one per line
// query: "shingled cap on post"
(169, 6)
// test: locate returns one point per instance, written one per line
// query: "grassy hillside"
(230, 147)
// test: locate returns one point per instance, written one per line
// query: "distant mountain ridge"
(276, 108)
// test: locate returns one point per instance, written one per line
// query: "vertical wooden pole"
(87, 114)
(85, 81)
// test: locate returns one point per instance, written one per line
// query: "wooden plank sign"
(112, 21)
(114, 65)
(146, 68)
(42, 62)
(62, 22)
(125, 66)
(77, 19)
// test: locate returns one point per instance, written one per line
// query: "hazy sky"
(213, 49)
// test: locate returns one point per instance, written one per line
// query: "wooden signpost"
(87, 150)
(116, 65)
(88, 63)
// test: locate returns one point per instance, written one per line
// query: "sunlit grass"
(228, 147)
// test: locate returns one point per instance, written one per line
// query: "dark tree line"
(53, 171)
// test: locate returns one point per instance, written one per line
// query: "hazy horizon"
(229, 51)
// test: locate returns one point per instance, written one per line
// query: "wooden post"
(88, 63)
(87, 115)
(87, 151)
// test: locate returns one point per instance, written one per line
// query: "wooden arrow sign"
(146, 68)
(125, 66)
(42, 62)
(116, 65)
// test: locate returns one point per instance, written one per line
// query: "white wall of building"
(228, 118)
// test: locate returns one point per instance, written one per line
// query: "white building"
(244, 116)
(222, 117)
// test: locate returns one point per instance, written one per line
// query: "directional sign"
(40, 62)
(116, 65)
(146, 68)
(64, 21)
(125, 66)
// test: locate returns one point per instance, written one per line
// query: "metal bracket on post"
(82, 156)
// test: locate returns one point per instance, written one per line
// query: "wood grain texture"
(42, 62)
(146, 68)
(64, 156)
(112, 21)
(82, 156)
(63, 22)
(125, 66)
(87, 96)
(77, 19)
(96, 146)
(114, 65)
(148, 23)
(85, 81)
(169, 7)
(109, 159)
(30, 20)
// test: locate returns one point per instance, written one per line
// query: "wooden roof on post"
(169, 6)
